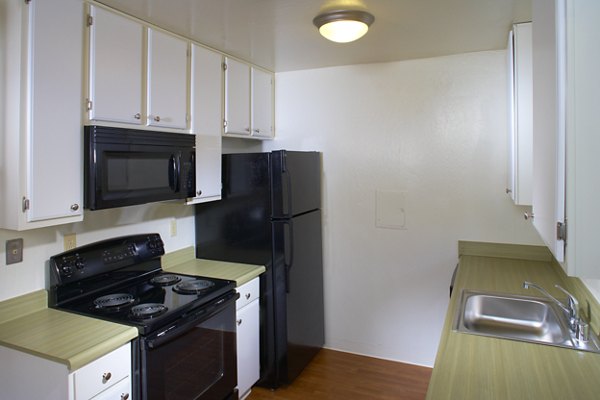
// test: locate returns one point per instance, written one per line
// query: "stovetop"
(121, 280)
(151, 303)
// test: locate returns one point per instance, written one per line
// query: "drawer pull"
(247, 296)
(125, 396)
(106, 377)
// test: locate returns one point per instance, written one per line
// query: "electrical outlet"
(173, 227)
(70, 241)
(14, 251)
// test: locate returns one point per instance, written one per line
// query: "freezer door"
(296, 182)
(298, 262)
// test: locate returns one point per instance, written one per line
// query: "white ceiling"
(279, 34)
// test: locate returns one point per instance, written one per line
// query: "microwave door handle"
(174, 167)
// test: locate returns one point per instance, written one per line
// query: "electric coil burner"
(165, 279)
(149, 310)
(193, 287)
(186, 324)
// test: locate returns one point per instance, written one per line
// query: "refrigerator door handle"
(288, 183)
(288, 264)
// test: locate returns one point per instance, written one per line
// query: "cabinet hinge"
(88, 104)
(561, 231)
(90, 20)
(224, 66)
(25, 204)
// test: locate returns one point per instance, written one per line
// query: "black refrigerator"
(270, 214)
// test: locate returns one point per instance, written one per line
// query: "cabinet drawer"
(248, 292)
(119, 391)
(103, 373)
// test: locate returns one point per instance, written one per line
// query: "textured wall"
(432, 129)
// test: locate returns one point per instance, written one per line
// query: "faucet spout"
(571, 309)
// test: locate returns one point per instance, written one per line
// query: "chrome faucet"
(578, 327)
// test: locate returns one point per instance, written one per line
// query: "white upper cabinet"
(116, 68)
(262, 103)
(248, 101)
(207, 117)
(566, 84)
(237, 98)
(582, 121)
(520, 114)
(548, 132)
(41, 137)
(137, 75)
(167, 80)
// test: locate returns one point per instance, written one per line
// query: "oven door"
(194, 358)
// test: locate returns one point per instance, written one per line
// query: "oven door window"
(198, 363)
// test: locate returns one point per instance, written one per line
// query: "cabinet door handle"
(74, 207)
(528, 216)
(199, 192)
(125, 396)
(239, 322)
(256, 130)
(106, 377)
(247, 296)
(137, 116)
(247, 129)
(157, 118)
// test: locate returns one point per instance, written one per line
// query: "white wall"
(435, 129)
(40, 244)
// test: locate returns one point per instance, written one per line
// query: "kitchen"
(430, 131)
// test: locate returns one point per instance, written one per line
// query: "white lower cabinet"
(248, 339)
(108, 377)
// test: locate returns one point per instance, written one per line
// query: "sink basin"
(513, 317)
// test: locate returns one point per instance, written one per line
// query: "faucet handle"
(573, 303)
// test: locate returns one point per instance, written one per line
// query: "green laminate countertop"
(184, 262)
(477, 367)
(66, 338)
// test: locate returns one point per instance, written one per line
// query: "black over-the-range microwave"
(125, 167)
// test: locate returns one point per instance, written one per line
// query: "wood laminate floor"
(336, 375)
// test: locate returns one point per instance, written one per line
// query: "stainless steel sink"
(524, 318)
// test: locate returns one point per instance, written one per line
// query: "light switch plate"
(14, 251)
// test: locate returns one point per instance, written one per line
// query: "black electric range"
(186, 348)
(121, 280)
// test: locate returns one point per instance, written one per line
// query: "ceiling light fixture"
(343, 26)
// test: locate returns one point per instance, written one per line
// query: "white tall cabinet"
(566, 83)
(41, 86)
(207, 117)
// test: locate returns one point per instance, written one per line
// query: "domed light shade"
(343, 26)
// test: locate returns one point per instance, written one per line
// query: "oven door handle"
(196, 317)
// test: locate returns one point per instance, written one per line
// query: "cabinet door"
(583, 140)
(237, 98)
(248, 347)
(262, 103)
(548, 197)
(207, 120)
(521, 126)
(167, 80)
(55, 185)
(116, 56)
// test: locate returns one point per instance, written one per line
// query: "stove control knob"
(67, 269)
(80, 263)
